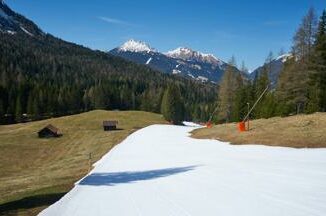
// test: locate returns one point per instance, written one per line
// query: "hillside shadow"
(112, 179)
(29, 203)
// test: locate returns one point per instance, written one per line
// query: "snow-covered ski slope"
(160, 170)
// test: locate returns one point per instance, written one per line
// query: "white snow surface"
(190, 55)
(174, 71)
(202, 78)
(27, 32)
(192, 76)
(149, 60)
(11, 32)
(160, 170)
(284, 57)
(136, 46)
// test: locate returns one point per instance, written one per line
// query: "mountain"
(275, 69)
(181, 61)
(44, 76)
(12, 22)
(189, 55)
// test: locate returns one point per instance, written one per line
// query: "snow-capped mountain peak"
(180, 51)
(188, 54)
(274, 70)
(182, 61)
(136, 46)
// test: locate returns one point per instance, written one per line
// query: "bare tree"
(304, 38)
(230, 82)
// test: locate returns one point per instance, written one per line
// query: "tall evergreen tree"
(172, 106)
(317, 70)
(18, 110)
(2, 112)
(99, 97)
(261, 84)
(240, 103)
(30, 104)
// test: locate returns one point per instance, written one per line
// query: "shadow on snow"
(111, 179)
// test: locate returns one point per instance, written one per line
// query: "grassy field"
(35, 172)
(301, 131)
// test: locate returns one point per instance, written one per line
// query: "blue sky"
(246, 29)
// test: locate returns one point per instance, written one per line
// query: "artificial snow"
(160, 170)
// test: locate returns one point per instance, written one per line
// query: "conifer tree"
(36, 109)
(2, 113)
(86, 101)
(240, 103)
(261, 84)
(30, 103)
(172, 107)
(99, 97)
(18, 110)
(317, 70)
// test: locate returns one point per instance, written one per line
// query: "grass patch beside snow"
(35, 172)
(300, 131)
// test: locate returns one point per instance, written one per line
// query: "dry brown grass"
(301, 131)
(31, 167)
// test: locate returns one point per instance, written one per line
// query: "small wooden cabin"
(49, 131)
(110, 125)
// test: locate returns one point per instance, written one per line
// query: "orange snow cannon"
(209, 124)
(242, 126)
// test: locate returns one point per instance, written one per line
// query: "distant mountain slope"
(12, 22)
(275, 70)
(182, 61)
(43, 76)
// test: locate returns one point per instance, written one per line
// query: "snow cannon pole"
(255, 104)
(209, 123)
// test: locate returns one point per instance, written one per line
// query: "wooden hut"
(110, 125)
(49, 131)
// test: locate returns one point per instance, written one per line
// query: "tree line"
(301, 86)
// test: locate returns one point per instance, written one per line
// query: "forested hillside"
(46, 76)
(301, 85)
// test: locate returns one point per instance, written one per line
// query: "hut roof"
(52, 128)
(110, 123)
